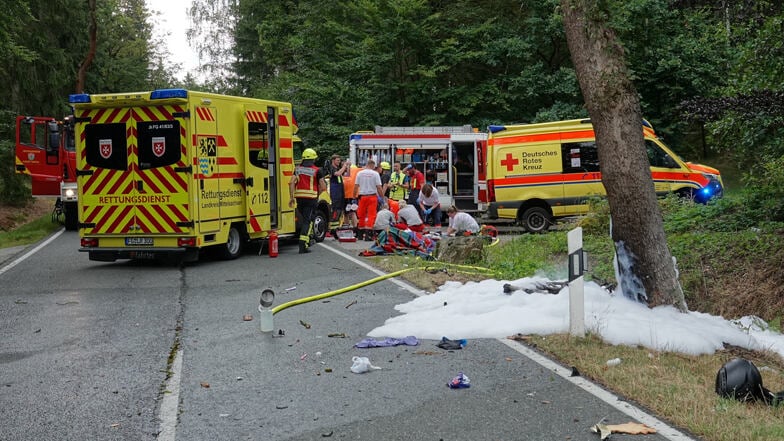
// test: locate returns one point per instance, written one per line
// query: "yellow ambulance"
(167, 173)
(539, 172)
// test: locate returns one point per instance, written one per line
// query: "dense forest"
(710, 74)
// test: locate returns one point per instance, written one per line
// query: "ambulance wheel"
(233, 246)
(320, 225)
(71, 216)
(536, 220)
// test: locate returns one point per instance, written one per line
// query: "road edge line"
(627, 408)
(20, 259)
(613, 400)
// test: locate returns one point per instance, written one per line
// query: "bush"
(14, 188)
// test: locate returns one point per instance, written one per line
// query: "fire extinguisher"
(273, 243)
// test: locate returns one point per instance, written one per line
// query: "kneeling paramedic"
(305, 187)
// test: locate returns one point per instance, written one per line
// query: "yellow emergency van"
(164, 174)
(539, 172)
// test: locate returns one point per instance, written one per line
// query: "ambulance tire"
(71, 216)
(320, 224)
(233, 246)
(536, 220)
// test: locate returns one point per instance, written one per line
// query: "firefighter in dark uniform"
(305, 187)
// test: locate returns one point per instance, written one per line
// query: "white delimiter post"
(576, 289)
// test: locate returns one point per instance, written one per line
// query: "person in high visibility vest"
(333, 172)
(397, 179)
(305, 186)
(416, 180)
(350, 202)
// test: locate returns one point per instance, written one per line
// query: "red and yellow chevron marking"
(255, 226)
(256, 116)
(111, 199)
(205, 114)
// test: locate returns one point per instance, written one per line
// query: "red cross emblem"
(509, 162)
(159, 146)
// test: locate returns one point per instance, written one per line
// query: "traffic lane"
(239, 383)
(85, 346)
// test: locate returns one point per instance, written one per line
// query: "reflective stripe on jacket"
(307, 182)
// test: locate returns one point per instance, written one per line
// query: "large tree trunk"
(646, 268)
(88, 59)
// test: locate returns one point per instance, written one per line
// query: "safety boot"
(303, 247)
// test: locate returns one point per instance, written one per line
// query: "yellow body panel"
(178, 165)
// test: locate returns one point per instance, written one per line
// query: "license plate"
(138, 241)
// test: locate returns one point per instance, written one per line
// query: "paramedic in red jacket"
(305, 186)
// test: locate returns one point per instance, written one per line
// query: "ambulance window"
(106, 146)
(580, 157)
(159, 143)
(658, 157)
(258, 144)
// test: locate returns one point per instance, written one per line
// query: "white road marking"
(170, 404)
(31, 252)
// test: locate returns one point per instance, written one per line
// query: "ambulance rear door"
(132, 174)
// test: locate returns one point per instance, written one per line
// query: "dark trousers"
(305, 207)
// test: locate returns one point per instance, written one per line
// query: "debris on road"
(362, 365)
(205, 385)
(630, 428)
(337, 335)
(353, 302)
(305, 324)
(461, 381)
(247, 317)
(451, 345)
(371, 342)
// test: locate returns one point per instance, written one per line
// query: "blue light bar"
(79, 98)
(495, 129)
(162, 94)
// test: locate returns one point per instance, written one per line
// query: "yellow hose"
(283, 306)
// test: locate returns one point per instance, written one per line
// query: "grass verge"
(677, 388)
(30, 232)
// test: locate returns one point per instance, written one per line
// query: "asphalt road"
(140, 351)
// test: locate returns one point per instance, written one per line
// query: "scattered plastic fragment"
(614, 362)
(361, 365)
(290, 289)
(303, 356)
(460, 381)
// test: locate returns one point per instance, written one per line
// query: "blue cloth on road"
(389, 341)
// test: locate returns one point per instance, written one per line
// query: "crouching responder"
(305, 187)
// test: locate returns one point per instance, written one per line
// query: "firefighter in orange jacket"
(305, 187)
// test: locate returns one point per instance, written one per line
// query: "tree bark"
(646, 268)
(88, 60)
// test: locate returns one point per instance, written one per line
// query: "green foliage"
(529, 254)
(14, 188)
(29, 233)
